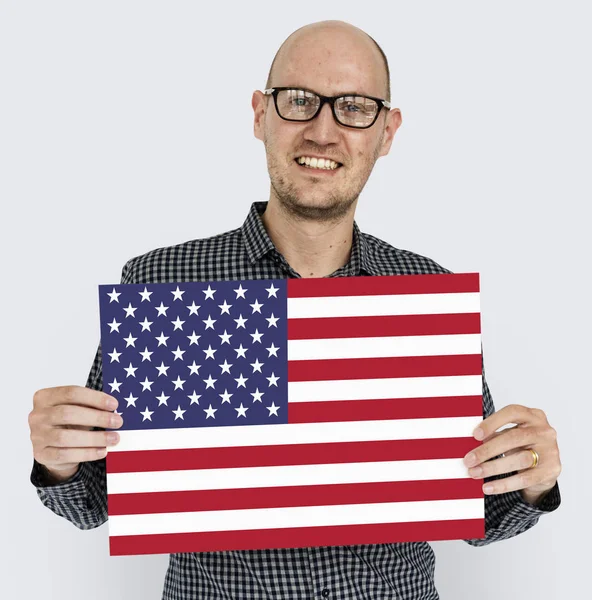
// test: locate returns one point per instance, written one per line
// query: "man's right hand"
(61, 423)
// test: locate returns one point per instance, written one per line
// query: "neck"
(312, 248)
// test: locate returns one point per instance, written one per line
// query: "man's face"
(328, 67)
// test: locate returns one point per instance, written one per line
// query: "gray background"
(104, 156)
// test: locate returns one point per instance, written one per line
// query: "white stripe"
(297, 433)
(374, 389)
(372, 306)
(286, 475)
(374, 347)
(301, 516)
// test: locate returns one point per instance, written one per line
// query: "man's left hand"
(531, 430)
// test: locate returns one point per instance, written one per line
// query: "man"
(319, 157)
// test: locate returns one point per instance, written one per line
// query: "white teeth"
(318, 163)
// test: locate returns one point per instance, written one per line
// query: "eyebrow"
(301, 87)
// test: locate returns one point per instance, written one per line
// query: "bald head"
(339, 36)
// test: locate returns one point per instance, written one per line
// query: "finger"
(513, 413)
(53, 457)
(515, 462)
(521, 480)
(73, 438)
(74, 394)
(517, 437)
(82, 416)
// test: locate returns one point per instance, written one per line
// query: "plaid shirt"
(396, 570)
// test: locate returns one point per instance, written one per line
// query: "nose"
(323, 129)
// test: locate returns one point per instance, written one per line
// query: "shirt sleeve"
(82, 499)
(507, 515)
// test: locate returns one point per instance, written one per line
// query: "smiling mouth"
(319, 165)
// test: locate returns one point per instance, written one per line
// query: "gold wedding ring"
(535, 458)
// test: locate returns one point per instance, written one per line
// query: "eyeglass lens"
(300, 105)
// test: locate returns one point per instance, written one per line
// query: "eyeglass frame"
(330, 100)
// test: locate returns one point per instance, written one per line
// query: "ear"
(259, 104)
(393, 122)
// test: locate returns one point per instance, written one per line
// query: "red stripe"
(384, 367)
(391, 408)
(388, 284)
(302, 537)
(280, 497)
(383, 326)
(288, 454)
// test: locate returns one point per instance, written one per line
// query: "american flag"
(292, 413)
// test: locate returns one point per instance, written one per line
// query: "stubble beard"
(333, 207)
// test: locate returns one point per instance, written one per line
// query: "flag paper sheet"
(292, 413)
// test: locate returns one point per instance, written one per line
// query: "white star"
(114, 296)
(240, 322)
(225, 307)
(162, 399)
(257, 395)
(145, 294)
(162, 339)
(179, 383)
(209, 322)
(178, 413)
(210, 382)
(193, 338)
(194, 369)
(242, 411)
(115, 385)
(178, 353)
(272, 291)
(162, 370)
(273, 409)
(114, 326)
(130, 341)
(178, 294)
(256, 307)
(272, 350)
(146, 385)
(130, 310)
(145, 324)
(225, 367)
(225, 397)
(272, 321)
(161, 310)
(240, 292)
(114, 355)
(147, 414)
(241, 381)
(272, 380)
(257, 365)
(209, 293)
(146, 355)
(240, 351)
(194, 398)
(210, 412)
(209, 352)
(131, 370)
(131, 400)
(193, 308)
(225, 337)
(178, 324)
(256, 336)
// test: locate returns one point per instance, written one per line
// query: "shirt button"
(325, 593)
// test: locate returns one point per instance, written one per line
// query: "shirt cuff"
(40, 478)
(549, 503)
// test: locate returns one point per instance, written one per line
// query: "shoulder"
(389, 260)
(189, 261)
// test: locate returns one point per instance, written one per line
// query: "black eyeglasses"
(350, 110)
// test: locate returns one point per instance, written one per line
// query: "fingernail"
(112, 403)
(488, 489)
(113, 438)
(116, 421)
(476, 472)
(470, 459)
(478, 433)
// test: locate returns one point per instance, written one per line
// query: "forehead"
(331, 65)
